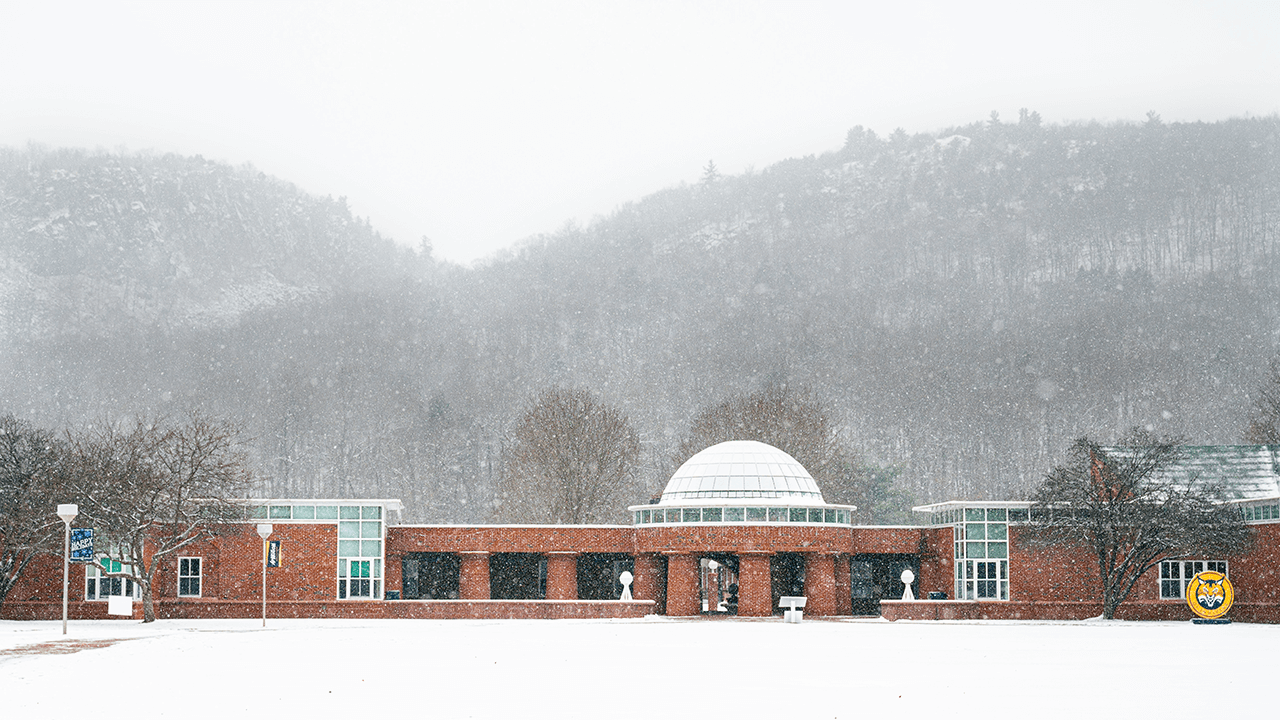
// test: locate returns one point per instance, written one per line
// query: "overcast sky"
(478, 124)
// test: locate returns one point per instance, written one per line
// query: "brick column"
(392, 571)
(820, 584)
(682, 585)
(844, 586)
(644, 586)
(755, 585)
(473, 576)
(562, 576)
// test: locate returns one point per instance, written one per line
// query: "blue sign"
(81, 544)
(273, 554)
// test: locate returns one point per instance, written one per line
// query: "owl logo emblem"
(1209, 594)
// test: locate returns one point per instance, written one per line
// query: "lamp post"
(264, 532)
(67, 513)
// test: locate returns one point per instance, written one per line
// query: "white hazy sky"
(477, 124)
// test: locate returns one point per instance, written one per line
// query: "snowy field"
(654, 667)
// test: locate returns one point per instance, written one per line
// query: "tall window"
(981, 554)
(189, 577)
(360, 552)
(1176, 574)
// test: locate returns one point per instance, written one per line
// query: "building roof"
(1246, 472)
(741, 469)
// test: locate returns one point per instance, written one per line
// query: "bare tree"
(151, 490)
(1133, 506)
(793, 420)
(574, 460)
(28, 495)
(1264, 426)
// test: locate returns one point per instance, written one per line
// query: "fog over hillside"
(966, 301)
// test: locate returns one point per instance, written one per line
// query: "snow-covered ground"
(653, 667)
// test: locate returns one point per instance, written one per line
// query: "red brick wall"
(1053, 573)
(364, 609)
(887, 539)
(473, 576)
(744, 538)
(510, 538)
(562, 576)
(682, 585)
(42, 581)
(755, 588)
(232, 564)
(997, 610)
(937, 561)
(1063, 573)
(844, 603)
(1061, 579)
(820, 584)
(1256, 575)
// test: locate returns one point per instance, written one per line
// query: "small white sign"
(120, 605)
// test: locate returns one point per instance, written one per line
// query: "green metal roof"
(1247, 472)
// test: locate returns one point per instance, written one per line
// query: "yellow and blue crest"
(1209, 594)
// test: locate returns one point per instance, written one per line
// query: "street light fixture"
(67, 513)
(264, 532)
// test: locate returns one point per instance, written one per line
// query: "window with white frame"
(1261, 511)
(1176, 574)
(982, 580)
(189, 569)
(360, 552)
(99, 586)
(981, 538)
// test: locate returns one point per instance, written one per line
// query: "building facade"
(739, 525)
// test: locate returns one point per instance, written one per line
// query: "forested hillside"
(965, 301)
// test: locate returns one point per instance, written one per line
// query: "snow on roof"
(741, 469)
(1247, 472)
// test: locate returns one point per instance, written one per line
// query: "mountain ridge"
(967, 301)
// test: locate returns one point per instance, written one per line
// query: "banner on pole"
(273, 554)
(82, 545)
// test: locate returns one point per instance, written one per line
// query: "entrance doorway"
(718, 583)
(786, 572)
(878, 576)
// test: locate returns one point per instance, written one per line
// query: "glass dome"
(741, 469)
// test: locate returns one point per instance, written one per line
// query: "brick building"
(738, 526)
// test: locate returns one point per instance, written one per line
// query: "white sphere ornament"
(908, 577)
(625, 577)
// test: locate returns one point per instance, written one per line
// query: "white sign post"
(67, 513)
